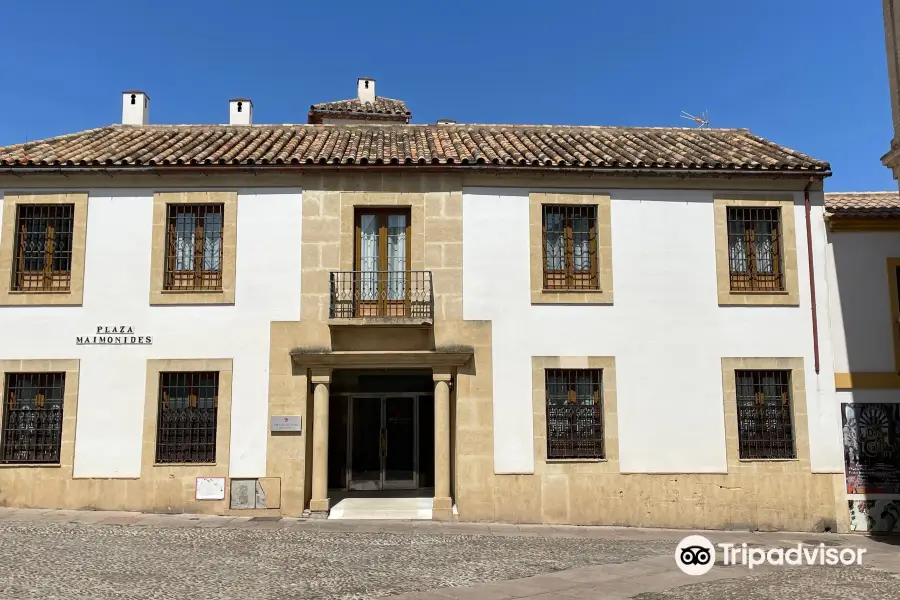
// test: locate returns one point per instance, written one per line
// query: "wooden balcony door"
(382, 263)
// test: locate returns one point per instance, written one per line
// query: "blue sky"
(809, 74)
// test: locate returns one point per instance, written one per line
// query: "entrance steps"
(398, 509)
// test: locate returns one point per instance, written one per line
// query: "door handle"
(383, 442)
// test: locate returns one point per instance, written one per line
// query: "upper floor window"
(570, 247)
(194, 236)
(42, 260)
(574, 413)
(187, 417)
(32, 418)
(755, 261)
(765, 423)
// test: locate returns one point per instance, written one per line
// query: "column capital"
(443, 373)
(320, 375)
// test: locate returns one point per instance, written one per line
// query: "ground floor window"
(187, 416)
(32, 418)
(574, 413)
(765, 426)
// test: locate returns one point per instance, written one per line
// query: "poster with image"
(871, 447)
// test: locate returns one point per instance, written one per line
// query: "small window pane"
(43, 247)
(570, 247)
(187, 417)
(765, 423)
(32, 418)
(194, 241)
(754, 249)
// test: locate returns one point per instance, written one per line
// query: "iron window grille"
(765, 423)
(187, 417)
(32, 418)
(755, 261)
(43, 247)
(570, 247)
(574, 413)
(194, 238)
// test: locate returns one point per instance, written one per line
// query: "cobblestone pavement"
(71, 555)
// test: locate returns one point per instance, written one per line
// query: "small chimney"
(446, 122)
(135, 108)
(240, 111)
(365, 89)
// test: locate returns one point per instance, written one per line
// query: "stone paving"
(87, 554)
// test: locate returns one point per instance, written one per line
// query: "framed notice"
(210, 488)
(871, 447)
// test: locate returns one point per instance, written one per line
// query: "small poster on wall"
(210, 488)
(871, 447)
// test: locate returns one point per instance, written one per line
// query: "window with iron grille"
(754, 249)
(43, 247)
(765, 423)
(570, 247)
(194, 247)
(574, 413)
(186, 420)
(32, 418)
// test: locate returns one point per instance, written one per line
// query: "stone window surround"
(75, 294)
(603, 295)
(892, 265)
(790, 296)
(223, 418)
(70, 406)
(610, 464)
(800, 420)
(159, 296)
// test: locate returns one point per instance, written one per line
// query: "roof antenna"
(702, 121)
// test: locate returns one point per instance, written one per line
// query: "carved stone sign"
(114, 335)
(286, 423)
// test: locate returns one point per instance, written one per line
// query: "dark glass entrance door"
(400, 437)
(365, 443)
(383, 442)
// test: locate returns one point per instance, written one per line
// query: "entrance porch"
(381, 423)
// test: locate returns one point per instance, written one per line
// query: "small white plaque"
(286, 423)
(210, 488)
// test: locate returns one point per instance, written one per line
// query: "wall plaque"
(286, 423)
(114, 335)
(871, 447)
(210, 488)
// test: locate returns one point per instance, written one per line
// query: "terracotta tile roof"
(384, 108)
(510, 146)
(871, 205)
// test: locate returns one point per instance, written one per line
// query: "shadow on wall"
(871, 429)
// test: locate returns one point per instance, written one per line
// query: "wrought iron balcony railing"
(381, 295)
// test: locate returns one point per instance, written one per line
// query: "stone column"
(320, 379)
(442, 508)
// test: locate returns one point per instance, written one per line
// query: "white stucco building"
(511, 322)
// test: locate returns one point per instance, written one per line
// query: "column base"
(319, 508)
(442, 509)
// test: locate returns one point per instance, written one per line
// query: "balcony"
(381, 298)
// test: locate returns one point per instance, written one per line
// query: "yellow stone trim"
(791, 294)
(70, 405)
(867, 381)
(892, 265)
(856, 224)
(158, 296)
(602, 295)
(543, 465)
(800, 420)
(75, 294)
(188, 472)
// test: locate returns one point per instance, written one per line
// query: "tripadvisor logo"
(696, 555)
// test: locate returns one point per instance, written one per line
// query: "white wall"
(116, 292)
(860, 299)
(665, 330)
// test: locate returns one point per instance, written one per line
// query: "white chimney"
(365, 89)
(135, 108)
(240, 111)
